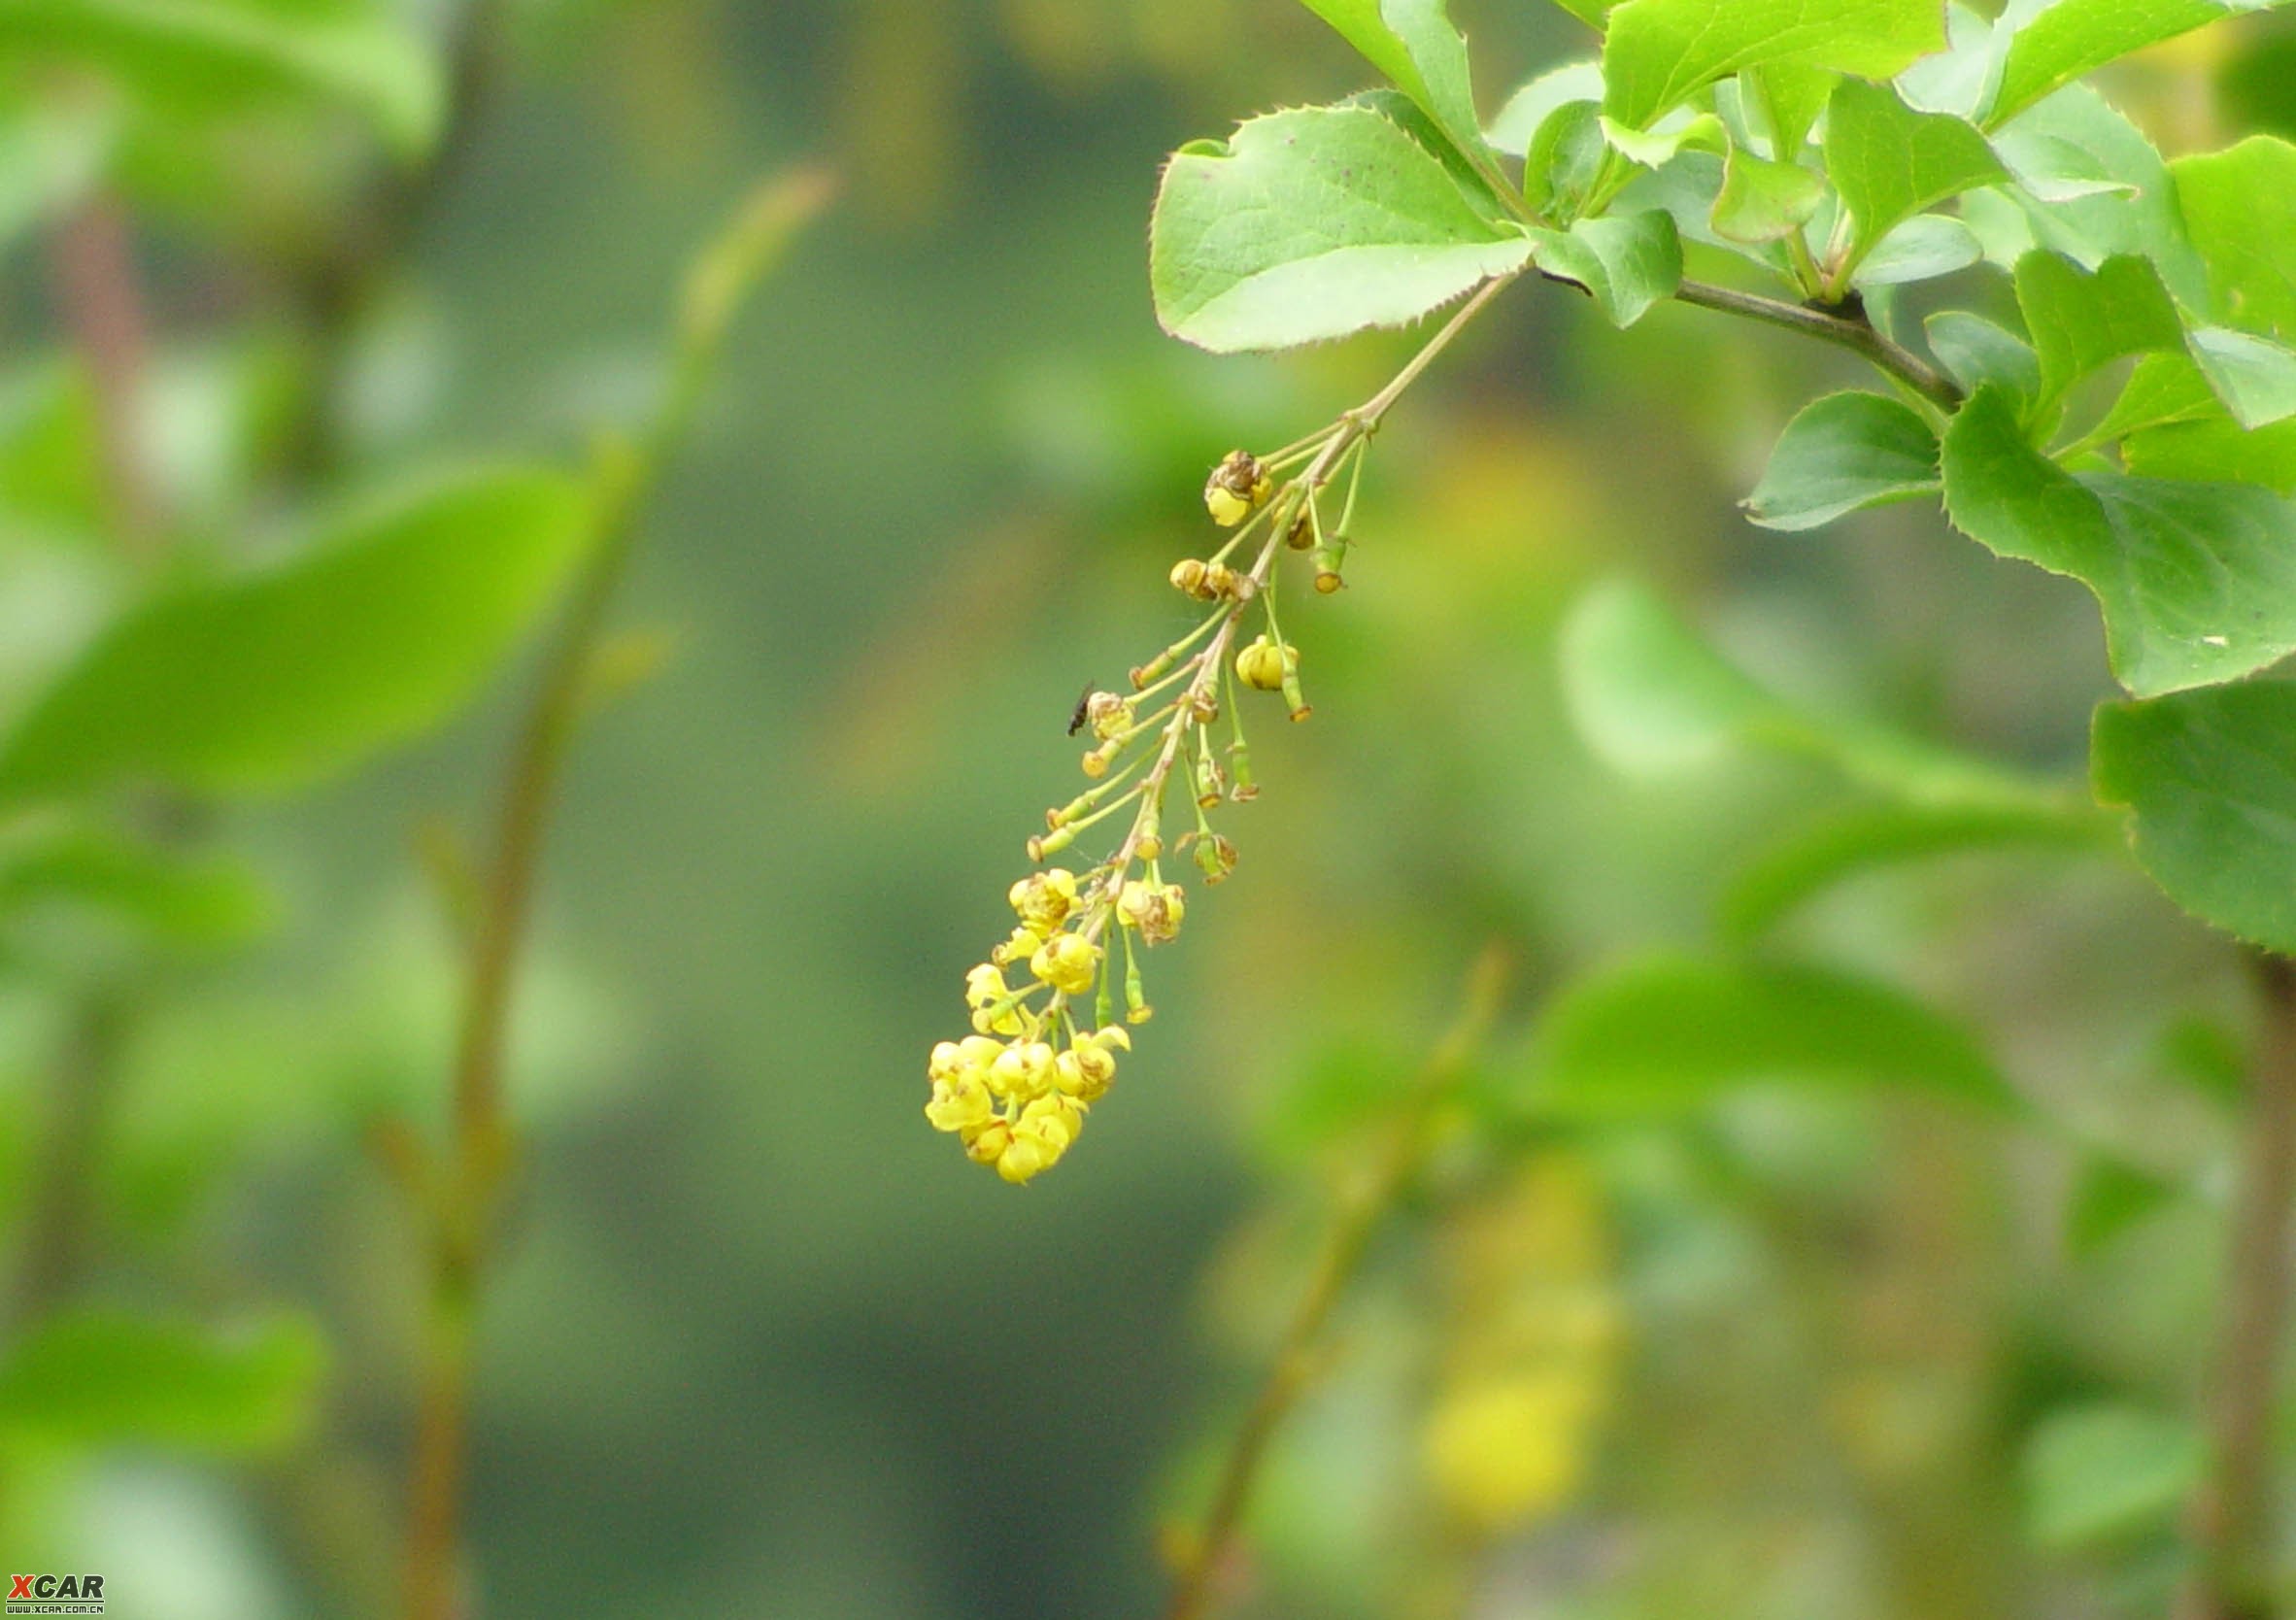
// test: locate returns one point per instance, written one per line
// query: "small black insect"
(1084, 703)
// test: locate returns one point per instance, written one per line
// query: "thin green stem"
(1297, 1356)
(2231, 1517)
(480, 1150)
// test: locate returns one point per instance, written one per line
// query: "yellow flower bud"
(1084, 1071)
(1043, 899)
(1022, 945)
(1030, 1153)
(1067, 963)
(987, 1144)
(1155, 909)
(958, 1104)
(1056, 1118)
(1237, 485)
(1188, 576)
(1023, 1070)
(1263, 665)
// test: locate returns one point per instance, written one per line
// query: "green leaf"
(1844, 452)
(1790, 99)
(1626, 262)
(2255, 378)
(1650, 698)
(1660, 53)
(98, 1378)
(1976, 353)
(2095, 1472)
(1673, 137)
(2162, 388)
(2240, 207)
(1313, 223)
(1921, 248)
(1764, 201)
(2067, 38)
(1850, 844)
(2217, 450)
(376, 631)
(2210, 777)
(1664, 1034)
(2197, 581)
(1413, 43)
(1565, 161)
(2075, 140)
(1890, 162)
(180, 900)
(1532, 105)
(234, 52)
(2108, 1197)
(2079, 321)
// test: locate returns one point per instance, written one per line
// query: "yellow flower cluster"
(1016, 1091)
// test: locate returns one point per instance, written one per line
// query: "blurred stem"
(469, 1192)
(103, 308)
(1845, 328)
(1394, 1166)
(2231, 1577)
(343, 282)
(60, 1223)
(95, 281)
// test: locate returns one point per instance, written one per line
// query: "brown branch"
(2230, 1515)
(1844, 328)
(93, 265)
(1358, 1222)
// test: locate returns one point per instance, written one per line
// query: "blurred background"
(758, 1342)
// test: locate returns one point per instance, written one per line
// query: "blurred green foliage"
(283, 272)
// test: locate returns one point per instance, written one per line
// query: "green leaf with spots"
(1658, 53)
(2210, 779)
(382, 628)
(1890, 162)
(1844, 452)
(1626, 262)
(1311, 224)
(2197, 582)
(2240, 207)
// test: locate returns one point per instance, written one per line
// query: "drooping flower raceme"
(1015, 1092)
